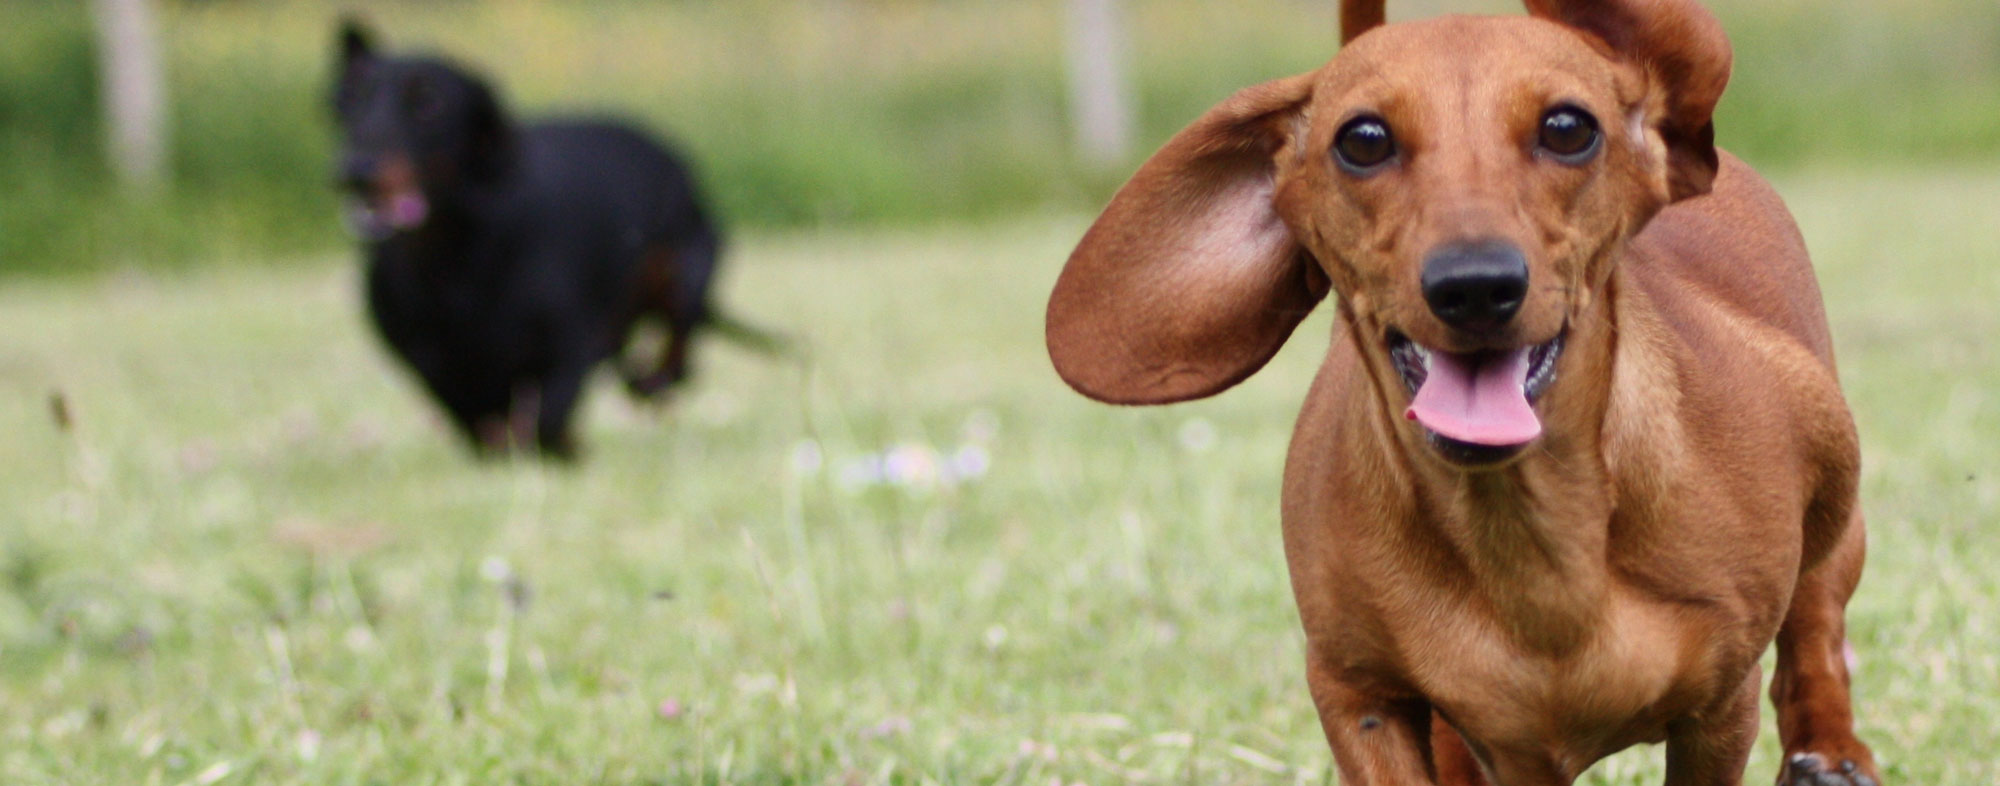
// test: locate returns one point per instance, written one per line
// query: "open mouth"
(376, 216)
(1478, 406)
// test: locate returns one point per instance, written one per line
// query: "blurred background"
(237, 545)
(810, 113)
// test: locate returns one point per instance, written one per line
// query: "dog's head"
(1462, 184)
(415, 131)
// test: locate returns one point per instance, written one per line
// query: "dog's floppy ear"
(1189, 281)
(353, 47)
(355, 42)
(1360, 16)
(1686, 56)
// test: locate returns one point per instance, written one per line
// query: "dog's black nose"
(356, 170)
(1477, 285)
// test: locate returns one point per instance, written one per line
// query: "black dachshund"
(505, 261)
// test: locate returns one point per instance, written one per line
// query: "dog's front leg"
(1377, 740)
(1712, 749)
(1810, 686)
(560, 390)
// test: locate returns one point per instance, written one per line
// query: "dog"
(505, 261)
(1576, 454)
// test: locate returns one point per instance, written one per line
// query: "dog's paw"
(652, 387)
(1812, 769)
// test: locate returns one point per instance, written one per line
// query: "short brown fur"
(1692, 497)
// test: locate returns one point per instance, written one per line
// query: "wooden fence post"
(1100, 97)
(134, 92)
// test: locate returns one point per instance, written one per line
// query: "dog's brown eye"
(1570, 133)
(1364, 143)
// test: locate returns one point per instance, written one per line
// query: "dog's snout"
(1475, 286)
(356, 170)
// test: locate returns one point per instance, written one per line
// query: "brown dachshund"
(1576, 454)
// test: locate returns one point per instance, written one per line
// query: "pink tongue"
(1484, 404)
(408, 210)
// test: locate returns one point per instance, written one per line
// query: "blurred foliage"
(837, 111)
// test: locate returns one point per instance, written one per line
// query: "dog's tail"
(1360, 16)
(756, 339)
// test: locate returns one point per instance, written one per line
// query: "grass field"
(254, 557)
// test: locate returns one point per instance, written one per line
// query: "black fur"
(505, 261)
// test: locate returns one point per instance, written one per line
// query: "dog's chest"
(1513, 687)
(459, 311)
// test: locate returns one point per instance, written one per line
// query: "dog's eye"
(1363, 144)
(1569, 133)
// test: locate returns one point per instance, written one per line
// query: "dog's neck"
(441, 234)
(445, 237)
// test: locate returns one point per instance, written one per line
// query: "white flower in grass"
(911, 465)
(215, 772)
(888, 728)
(1197, 435)
(1030, 749)
(857, 474)
(807, 457)
(495, 569)
(915, 466)
(308, 744)
(970, 461)
(981, 426)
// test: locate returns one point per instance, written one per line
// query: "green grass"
(838, 112)
(256, 558)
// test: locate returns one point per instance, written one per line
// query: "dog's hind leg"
(478, 408)
(561, 389)
(673, 364)
(672, 368)
(676, 292)
(1811, 686)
